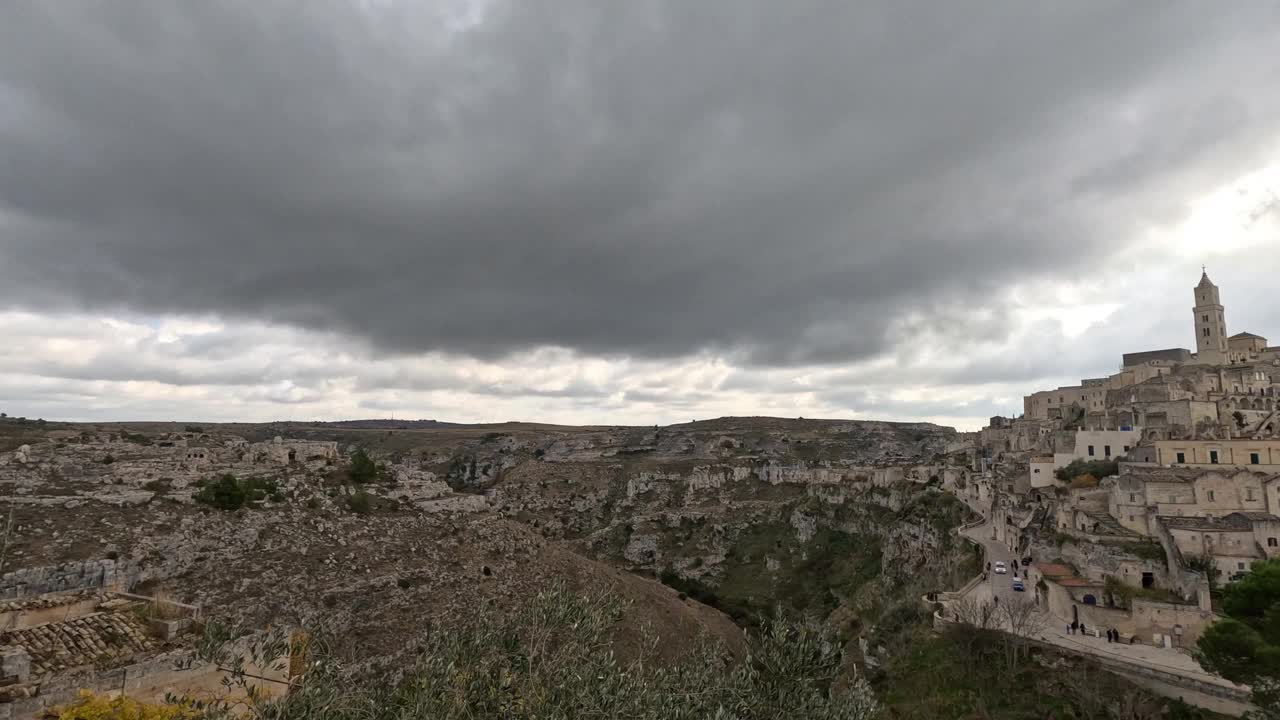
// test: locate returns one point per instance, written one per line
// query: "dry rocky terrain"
(460, 516)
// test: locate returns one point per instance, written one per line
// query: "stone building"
(1141, 494)
(1256, 454)
(1232, 542)
(1222, 367)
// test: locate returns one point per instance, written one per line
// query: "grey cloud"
(776, 181)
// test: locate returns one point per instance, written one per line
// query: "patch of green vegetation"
(1244, 647)
(552, 658)
(814, 577)
(1122, 595)
(940, 510)
(362, 469)
(231, 493)
(1095, 468)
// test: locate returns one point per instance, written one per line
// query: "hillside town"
(1132, 499)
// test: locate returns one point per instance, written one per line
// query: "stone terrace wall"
(106, 574)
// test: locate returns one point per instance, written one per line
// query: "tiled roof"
(87, 640)
(1257, 515)
(1054, 570)
(1170, 474)
(1234, 521)
(1076, 582)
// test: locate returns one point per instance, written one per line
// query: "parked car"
(1017, 584)
(1001, 568)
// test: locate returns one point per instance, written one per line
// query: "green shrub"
(1244, 647)
(231, 493)
(362, 469)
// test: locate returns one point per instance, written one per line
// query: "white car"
(1001, 569)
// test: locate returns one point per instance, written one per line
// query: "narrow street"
(996, 586)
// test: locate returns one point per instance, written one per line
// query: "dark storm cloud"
(780, 180)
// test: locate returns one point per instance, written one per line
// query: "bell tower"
(1211, 323)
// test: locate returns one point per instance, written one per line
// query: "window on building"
(1213, 457)
(1133, 497)
(1272, 542)
(1239, 566)
(1090, 451)
(1248, 493)
(1206, 332)
(1210, 496)
(1126, 448)
(1182, 457)
(1130, 518)
(1255, 459)
(1106, 450)
(1036, 471)
(1205, 318)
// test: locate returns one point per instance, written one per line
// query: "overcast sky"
(640, 212)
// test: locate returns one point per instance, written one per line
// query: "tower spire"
(1210, 322)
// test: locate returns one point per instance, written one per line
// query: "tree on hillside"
(363, 469)
(1244, 646)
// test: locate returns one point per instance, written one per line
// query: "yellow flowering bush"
(90, 706)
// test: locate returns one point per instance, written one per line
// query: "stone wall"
(1183, 624)
(106, 574)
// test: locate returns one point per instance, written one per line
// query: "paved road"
(1000, 586)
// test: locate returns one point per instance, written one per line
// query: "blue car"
(1017, 584)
